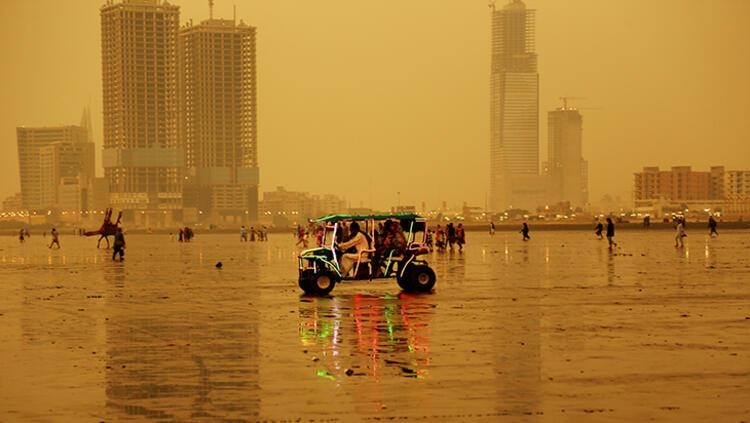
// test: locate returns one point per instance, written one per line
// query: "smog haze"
(369, 99)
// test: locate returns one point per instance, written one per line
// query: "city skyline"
(667, 74)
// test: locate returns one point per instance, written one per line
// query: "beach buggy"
(395, 243)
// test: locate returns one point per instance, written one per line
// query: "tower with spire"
(514, 109)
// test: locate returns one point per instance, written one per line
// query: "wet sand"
(555, 329)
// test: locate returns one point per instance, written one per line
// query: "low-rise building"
(284, 208)
(682, 188)
(13, 203)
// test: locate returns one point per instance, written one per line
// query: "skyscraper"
(48, 154)
(566, 168)
(218, 118)
(514, 107)
(142, 159)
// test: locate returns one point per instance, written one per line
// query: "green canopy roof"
(337, 217)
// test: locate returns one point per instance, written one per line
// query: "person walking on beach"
(492, 228)
(21, 237)
(243, 234)
(712, 226)
(119, 245)
(611, 234)
(440, 238)
(319, 233)
(599, 228)
(55, 239)
(680, 233)
(460, 236)
(525, 231)
(301, 237)
(451, 232)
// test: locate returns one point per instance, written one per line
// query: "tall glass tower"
(514, 103)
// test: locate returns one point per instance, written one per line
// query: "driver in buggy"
(358, 242)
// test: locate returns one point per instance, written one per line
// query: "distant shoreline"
(470, 227)
(632, 226)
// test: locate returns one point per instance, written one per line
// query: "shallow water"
(555, 329)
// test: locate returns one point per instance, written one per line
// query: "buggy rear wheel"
(417, 278)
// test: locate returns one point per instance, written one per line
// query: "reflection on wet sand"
(384, 334)
(555, 329)
(611, 276)
(181, 352)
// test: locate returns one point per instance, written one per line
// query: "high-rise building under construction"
(514, 110)
(142, 158)
(218, 119)
(567, 170)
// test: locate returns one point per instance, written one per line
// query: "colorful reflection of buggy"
(320, 268)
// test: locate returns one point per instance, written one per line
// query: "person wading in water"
(119, 245)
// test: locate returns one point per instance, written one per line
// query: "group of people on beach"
(118, 248)
(185, 234)
(389, 241)
(679, 222)
(448, 237)
(260, 234)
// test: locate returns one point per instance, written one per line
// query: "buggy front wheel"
(320, 283)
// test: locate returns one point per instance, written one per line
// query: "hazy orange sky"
(401, 88)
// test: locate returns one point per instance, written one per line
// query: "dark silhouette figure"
(712, 226)
(55, 239)
(119, 245)
(611, 234)
(451, 232)
(525, 231)
(599, 228)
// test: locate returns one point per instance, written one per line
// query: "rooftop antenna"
(491, 5)
(566, 98)
(210, 9)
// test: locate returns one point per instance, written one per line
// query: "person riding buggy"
(377, 247)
